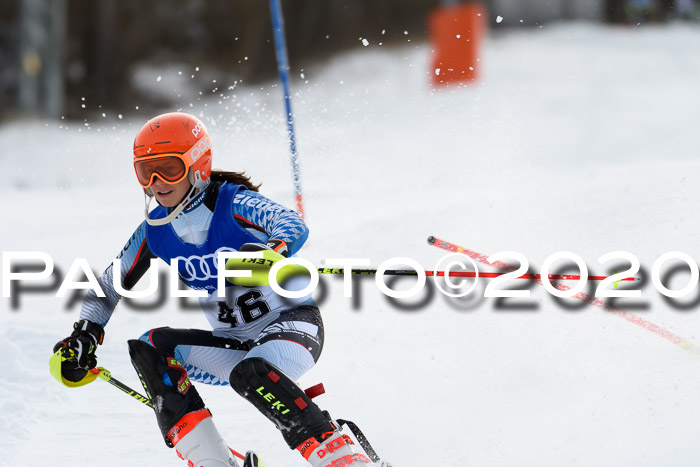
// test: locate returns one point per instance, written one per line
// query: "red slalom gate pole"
(411, 272)
(553, 277)
(675, 339)
(478, 257)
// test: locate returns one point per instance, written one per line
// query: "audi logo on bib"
(199, 268)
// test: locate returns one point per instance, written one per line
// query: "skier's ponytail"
(239, 178)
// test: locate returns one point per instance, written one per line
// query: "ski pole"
(105, 375)
(411, 272)
(312, 392)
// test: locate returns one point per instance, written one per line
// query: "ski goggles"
(170, 167)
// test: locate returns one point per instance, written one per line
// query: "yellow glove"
(260, 267)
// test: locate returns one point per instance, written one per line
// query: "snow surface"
(579, 137)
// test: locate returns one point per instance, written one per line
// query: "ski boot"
(332, 449)
(203, 446)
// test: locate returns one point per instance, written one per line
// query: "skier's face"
(169, 195)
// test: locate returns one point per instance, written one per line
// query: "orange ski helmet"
(171, 147)
(173, 135)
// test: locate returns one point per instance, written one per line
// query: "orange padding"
(186, 424)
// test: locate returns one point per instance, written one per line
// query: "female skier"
(260, 342)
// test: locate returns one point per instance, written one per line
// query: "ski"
(363, 441)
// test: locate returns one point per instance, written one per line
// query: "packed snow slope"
(578, 137)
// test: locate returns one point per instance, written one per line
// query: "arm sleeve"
(135, 261)
(269, 220)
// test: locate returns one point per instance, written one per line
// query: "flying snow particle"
(437, 71)
(159, 78)
(499, 18)
(365, 42)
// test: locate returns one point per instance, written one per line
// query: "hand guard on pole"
(259, 267)
(78, 350)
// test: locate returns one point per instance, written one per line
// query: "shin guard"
(283, 402)
(178, 406)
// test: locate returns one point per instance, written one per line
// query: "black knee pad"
(166, 383)
(283, 402)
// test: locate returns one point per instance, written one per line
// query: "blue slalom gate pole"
(283, 68)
